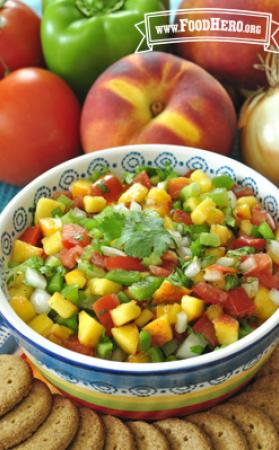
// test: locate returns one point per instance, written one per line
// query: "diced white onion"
(232, 199)
(184, 251)
(39, 300)
(274, 247)
(77, 212)
(274, 296)
(135, 207)
(162, 185)
(120, 207)
(225, 261)
(181, 322)
(111, 251)
(176, 237)
(35, 279)
(179, 227)
(193, 269)
(184, 351)
(212, 275)
(248, 264)
(251, 287)
(185, 242)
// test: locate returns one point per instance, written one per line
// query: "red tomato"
(259, 215)
(102, 308)
(46, 114)
(143, 179)
(69, 257)
(222, 269)
(244, 241)
(209, 294)
(205, 327)
(74, 235)
(72, 343)
(260, 263)
(175, 185)
(159, 271)
(182, 217)
(108, 187)
(125, 263)
(242, 191)
(98, 260)
(268, 280)
(238, 304)
(170, 256)
(20, 43)
(32, 235)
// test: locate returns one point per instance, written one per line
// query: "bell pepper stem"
(91, 8)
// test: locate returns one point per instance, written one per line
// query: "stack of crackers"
(31, 418)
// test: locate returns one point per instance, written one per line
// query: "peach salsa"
(152, 267)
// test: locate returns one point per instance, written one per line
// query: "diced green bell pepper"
(219, 197)
(265, 230)
(144, 341)
(124, 277)
(143, 290)
(223, 181)
(156, 354)
(90, 270)
(192, 190)
(210, 239)
(70, 292)
(104, 349)
(66, 201)
(123, 298)
(56, 283)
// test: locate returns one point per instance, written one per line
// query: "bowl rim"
(98, 364)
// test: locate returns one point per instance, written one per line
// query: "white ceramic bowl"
(139, 390)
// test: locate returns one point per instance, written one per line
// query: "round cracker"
(270, 382)
(16, 380)
(91, 433)
(58, 431)
(257, 427)
(267, 401)
(117, 435)
(20, 423)
(183, 435)
(147, 436)
(272, 364)
(223, 433)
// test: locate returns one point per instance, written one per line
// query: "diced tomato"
(78, 202)
(269, 280)
(125, 263)
(259, 215)
(160, 271)
(58, 193)
(143, 179)
(170, 256)
(99, 260)
(69, 257)
(205, 327)
(72, 343)
(108, 187)
(242, 191)
(74, 235)
(32, 235)
(238, 304)
(182, 217)
(102, 308)
(244, 241)
(175, 185)
(222, 269)
(209, 294)
(260, 263)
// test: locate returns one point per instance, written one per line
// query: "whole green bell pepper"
(81, 38)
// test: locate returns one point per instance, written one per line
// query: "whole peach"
(157, 98)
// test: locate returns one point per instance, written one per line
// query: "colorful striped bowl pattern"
(128, 390)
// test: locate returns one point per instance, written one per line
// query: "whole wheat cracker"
(183, 435)
(91, 433)
(117, 434)
(258, 428)
(223, 433)
(16, 380)
(268, 381)
(147, 436)
(22, 421)
(58, 431)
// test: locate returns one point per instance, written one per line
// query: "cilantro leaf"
(143, 234)
(110, 223)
